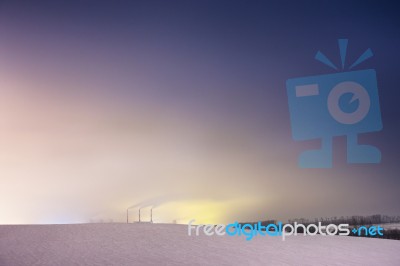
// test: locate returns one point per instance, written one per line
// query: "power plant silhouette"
(139, 216)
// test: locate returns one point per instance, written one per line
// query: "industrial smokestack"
(151, 215)
(127, 216)
(139, 214)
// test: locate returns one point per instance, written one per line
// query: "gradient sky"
(183, 105)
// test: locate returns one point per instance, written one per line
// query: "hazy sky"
(183, 105)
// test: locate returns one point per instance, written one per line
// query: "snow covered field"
(167, 244)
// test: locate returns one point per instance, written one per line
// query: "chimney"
(151, 215)
(139, 214)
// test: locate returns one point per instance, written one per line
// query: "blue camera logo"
(344, 103)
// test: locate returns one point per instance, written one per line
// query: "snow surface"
(168, 244)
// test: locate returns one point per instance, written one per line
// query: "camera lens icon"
(359, 93)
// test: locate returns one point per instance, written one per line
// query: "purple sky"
(183, 104)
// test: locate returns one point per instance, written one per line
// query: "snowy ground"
(162, 244)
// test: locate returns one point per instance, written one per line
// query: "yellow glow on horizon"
(205, 211)
(202, 211)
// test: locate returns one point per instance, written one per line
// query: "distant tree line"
(353, 221)
(357, 220)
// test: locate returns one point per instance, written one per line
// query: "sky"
(182, 106)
